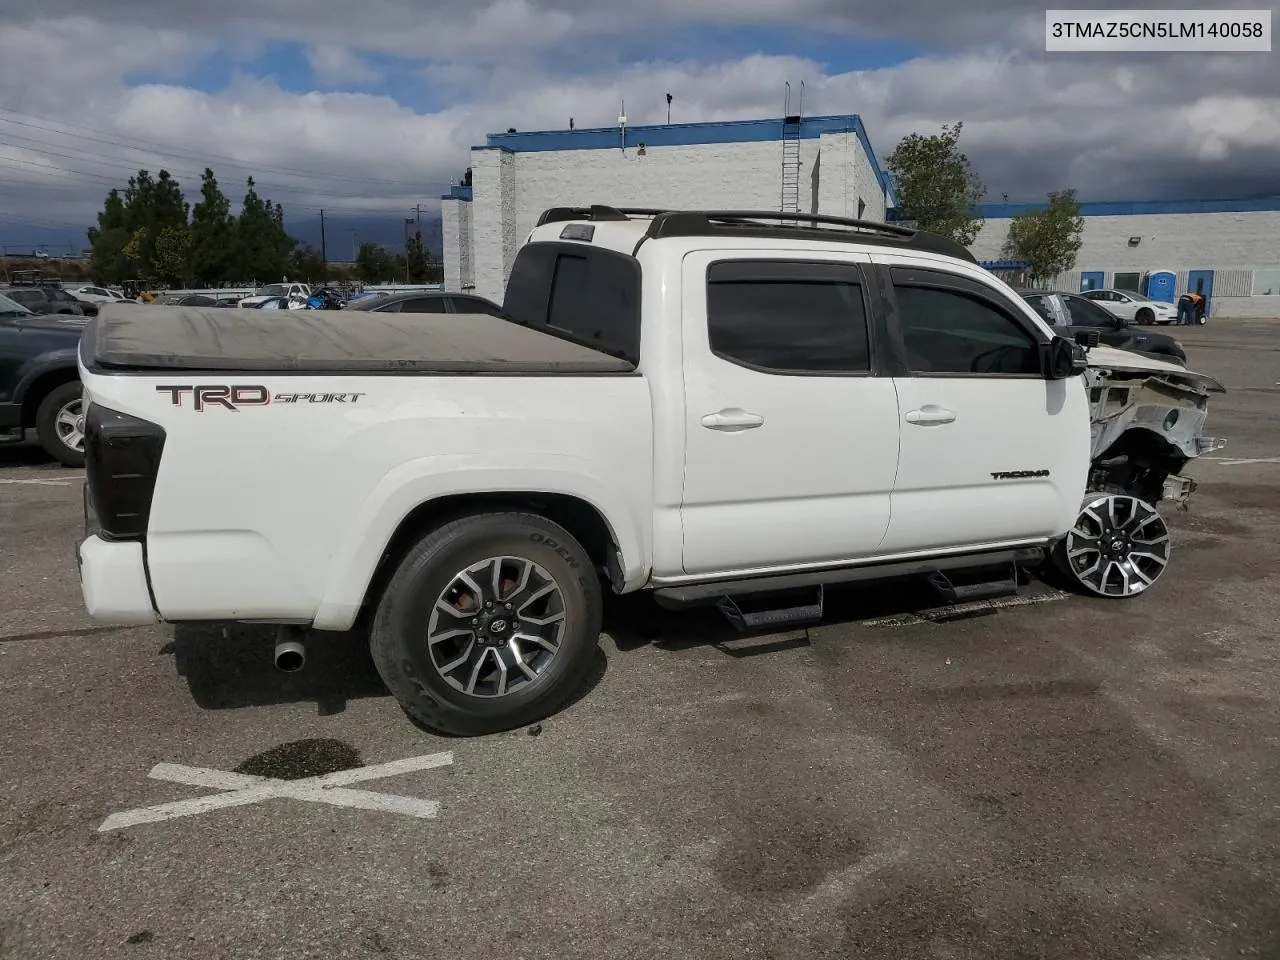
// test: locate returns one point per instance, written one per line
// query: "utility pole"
(669, 99)
(407, 221)
(354, 252)
(324, 255)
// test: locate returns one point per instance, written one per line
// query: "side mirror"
(1064, 359)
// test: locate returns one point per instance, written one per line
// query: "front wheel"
(489, 623)
(1145, 315)
(60, 424)
(1118, 547)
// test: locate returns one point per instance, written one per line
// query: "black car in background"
(426, 301)
(1071, 313)
(39, 380)
(186, 300)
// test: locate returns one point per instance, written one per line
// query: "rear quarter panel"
(282, 510)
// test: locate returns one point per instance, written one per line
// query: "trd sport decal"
(236, 397)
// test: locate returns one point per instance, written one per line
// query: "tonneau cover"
(340, 342)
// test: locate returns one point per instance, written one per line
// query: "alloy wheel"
(496, 627)
(69, 424)
(1118, 547)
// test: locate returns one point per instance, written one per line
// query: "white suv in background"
(1131, 306)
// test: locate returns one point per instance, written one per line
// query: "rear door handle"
(930, 415)
(732, 420)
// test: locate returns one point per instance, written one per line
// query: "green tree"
(305, 263)
(173, 255)
(935, 185)
(416, 254)
(123, 245)
(374, 264)
(212, 234)
(152, 204)
(262, 246)
(1047, 239)
(107, 262)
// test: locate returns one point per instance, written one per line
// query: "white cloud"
(1110, 126)
(336, 65)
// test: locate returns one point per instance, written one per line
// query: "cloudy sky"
(367, 108)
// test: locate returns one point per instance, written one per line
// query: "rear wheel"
(60, 424)
(489, 623)
(1118, 547)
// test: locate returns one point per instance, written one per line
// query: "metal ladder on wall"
(790, 202)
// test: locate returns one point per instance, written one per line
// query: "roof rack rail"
(765, 223)
(597, 212)
(807, 226)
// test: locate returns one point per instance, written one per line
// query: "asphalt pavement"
(1065, 778)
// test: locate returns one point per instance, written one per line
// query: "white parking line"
(41, 483)
(1236, 462)
(245, 789)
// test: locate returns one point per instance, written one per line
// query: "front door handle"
(732, 420)
(930, 415)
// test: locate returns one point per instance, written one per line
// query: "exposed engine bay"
(1148, 421)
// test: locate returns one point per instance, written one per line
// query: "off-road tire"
(47, 428)
(398, 635)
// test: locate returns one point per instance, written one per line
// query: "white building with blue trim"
(809, 165)
(1229, 250)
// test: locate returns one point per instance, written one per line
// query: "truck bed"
(139, 337)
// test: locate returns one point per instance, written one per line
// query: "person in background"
(1190, 308)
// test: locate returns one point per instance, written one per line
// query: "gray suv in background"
(45, 299)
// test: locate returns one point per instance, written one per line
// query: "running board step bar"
(951, 592)
(773, 618)
(693, 594)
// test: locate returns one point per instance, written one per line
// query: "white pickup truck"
(738, 409)
(296, 293)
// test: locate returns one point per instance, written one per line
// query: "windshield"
(11, 308)
(274, 290)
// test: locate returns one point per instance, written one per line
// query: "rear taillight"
(121, 460)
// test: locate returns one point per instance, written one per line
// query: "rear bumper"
(113, 582)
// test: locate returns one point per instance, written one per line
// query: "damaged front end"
(1148, 421)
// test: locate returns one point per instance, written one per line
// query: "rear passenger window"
(586, 295)
(947, 331)
(595, 300)
(788, 317)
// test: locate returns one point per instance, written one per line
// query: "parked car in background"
(46, 299)
(1073, 313)
(187, 300)
(290, 291)
(39, 381)
(1131, 306)
(99, 295)
(427, 301)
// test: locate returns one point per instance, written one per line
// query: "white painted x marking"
(245, 789)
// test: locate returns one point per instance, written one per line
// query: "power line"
(117, 140)
(188, 174)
